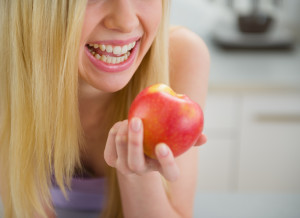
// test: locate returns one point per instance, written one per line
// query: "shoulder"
(183, 37)
(187, 43)
(189, 72)
(189, 63)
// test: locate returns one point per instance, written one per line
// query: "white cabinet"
(253, 143)
(217, 158)
(269, 158)
(216, 165)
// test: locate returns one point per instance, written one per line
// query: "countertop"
(256, 70)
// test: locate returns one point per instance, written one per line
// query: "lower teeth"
(109, 59)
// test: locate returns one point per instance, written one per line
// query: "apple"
(167, 117)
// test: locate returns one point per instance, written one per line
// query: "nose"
(122, 16)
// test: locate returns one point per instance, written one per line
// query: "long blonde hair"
(40, 128)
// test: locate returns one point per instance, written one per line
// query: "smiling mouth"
(111, 54)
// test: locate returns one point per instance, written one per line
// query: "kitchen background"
(250, 166)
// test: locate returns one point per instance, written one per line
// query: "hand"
(124, 151)
(201, 140)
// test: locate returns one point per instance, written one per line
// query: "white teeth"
(124, 49)
(130, 46)
(102, 47)
(118, 60)
(111, 60)
(121, 53)
(97, 56)
(109, 48)
(103, 58)
(117, 50)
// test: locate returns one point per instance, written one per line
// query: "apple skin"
(167, 118)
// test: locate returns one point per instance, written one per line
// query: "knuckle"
(113, 131)
(121, 139)
(122, 168)
(173, 177)
(124, 122)
(169, 162)
(115, 128)
(118, 139)
(134, 142)
(136, 167)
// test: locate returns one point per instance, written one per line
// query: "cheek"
(150, 15)
(87, 28)
(154, 17)
(81, 58)
(150, 20)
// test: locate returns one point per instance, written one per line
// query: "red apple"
(167, 117)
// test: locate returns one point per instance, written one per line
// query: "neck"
(93, 107)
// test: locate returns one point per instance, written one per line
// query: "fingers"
(110, 152)
(136, 157)
(201, 140)
(169, 168)
(122, 148)
(124, 151)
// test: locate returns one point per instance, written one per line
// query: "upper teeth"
(117, 50)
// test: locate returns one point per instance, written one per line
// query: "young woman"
(69, 71)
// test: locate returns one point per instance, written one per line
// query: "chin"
(104, 85)
(112, 88)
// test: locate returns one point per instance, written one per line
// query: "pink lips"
(112, 68)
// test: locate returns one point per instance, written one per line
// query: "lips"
(112, 56)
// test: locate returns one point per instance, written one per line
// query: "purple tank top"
(86, 194)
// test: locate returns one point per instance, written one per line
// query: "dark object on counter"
(254, 23)
(255, 30)
(229, 37)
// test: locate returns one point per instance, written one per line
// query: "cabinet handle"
(278, 118)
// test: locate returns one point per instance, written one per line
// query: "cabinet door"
(216, 168)
(217, 158)
(221, 114)
(270, 144)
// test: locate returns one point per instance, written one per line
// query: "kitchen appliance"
(254, 30)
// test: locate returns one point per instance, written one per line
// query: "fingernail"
(163, 150)
(136, 124)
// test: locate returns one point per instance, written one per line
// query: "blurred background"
(250, 166)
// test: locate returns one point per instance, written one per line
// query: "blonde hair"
(39, 117)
